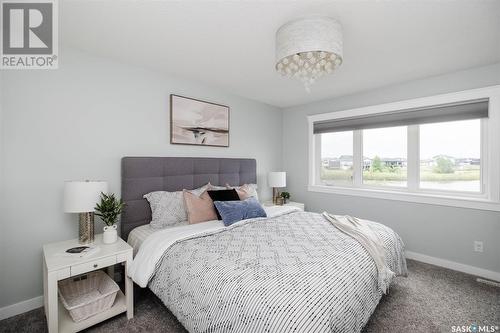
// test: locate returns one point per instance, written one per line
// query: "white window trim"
(489, 199)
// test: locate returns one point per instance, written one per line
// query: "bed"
(290, 272)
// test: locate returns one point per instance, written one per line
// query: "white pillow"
(168, 208)
(253, 192)
(251, 189)
(215, 187)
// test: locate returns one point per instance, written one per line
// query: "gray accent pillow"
(168, 208)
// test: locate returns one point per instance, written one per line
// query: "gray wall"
(76, 123)
(438, 231)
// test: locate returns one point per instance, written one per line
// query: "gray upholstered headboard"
(141, 175)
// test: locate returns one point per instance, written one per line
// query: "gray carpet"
(430, 299)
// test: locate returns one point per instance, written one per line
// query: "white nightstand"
(57, 266)
(299, 205)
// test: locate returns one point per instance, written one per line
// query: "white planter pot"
(110, 235)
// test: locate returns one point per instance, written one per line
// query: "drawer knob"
(95, 265)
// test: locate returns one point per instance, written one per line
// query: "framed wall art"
(196, 122)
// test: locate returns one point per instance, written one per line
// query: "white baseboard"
(31, 304)
(21, 307)
(476, 271)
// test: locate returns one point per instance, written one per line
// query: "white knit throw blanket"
(360, 230)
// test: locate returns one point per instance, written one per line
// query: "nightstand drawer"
(93, 265)
(122, 257)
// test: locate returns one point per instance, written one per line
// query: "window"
(336, 158)
(450, 156)
(385, 157)
(441, 150)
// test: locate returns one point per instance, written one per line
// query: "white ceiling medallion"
(309, 48)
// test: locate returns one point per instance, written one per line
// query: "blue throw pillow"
(234, 211)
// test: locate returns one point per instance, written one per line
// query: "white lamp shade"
(276, 179)
(82, 196)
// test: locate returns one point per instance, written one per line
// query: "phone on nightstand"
(78, 249)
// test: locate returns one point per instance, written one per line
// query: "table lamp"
(275, 180)
(81, 197)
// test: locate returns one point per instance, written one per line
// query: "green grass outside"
(426, 174)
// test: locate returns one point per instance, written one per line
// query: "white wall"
(442, 232)
(76, 123)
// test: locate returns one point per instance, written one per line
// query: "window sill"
(425, 198)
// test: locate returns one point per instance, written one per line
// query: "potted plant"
(285, 196)
(108, 210)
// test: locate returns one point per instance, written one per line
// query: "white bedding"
(139, 235)
(361, 230)
(155, 244)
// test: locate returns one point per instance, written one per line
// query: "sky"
(457, 139)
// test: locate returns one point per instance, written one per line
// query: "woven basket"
(87, 297)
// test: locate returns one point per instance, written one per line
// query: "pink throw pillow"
(199, 209)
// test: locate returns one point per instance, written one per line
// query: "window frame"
(487, 199)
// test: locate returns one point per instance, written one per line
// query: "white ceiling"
(230, 44)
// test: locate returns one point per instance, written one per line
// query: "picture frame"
(197, 122)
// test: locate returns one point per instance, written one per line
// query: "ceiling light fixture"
(309, 48)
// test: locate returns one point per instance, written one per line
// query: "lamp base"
(86, 228)
(276, 194)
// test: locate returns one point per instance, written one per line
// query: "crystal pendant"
(308, 66)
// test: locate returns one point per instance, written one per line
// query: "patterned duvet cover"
(292, 273)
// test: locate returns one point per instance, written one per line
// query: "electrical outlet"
(478, 246)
